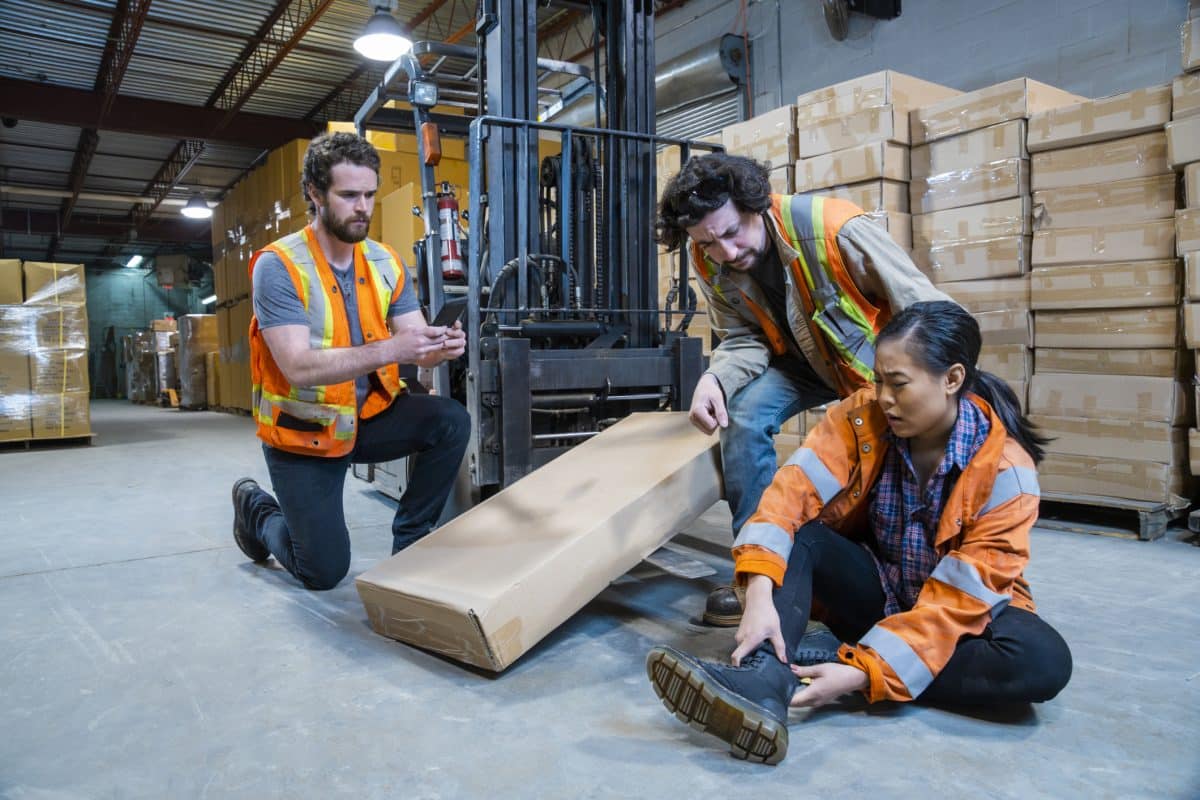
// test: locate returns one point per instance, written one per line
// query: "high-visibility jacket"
(840, 320)
(322, 420)
(982, 538)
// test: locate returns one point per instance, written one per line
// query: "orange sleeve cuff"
(857, 657)
(759, 562)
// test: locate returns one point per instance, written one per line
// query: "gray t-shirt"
(276, 303)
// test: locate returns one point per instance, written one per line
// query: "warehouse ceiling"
(115, 112)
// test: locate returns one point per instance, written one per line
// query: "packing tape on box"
(972, 180)
(1138, 102)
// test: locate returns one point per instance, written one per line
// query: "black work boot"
(244, 490)
(723, 608)
(816, 646)
(745, 706)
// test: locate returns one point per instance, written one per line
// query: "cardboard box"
(1110, 396)
(58, 371)
(1132, 439)
(987, 221)
(987, 183)
(970, 150)
(996, 294)
(11, 282)
(1134, 200)
(974, 259)
(1110, 476)
(1160, 363)
(1015, 99)
(898, 226)
(1185, 96)
(400, 228)
(59, 327)
(62, 415)
(197, 338)
(828, 134)
(1114, 117)
(869, 91)
(1190, 33)
(1129, 241)
(1187, 231)
(1117, 328)
(782, 179)
(864, 163)
(873, 195)
(1137, 284)
(1006, 327)
(14, 396)
(1191, 324)
(1141, 156)
(487, 586)
(1009, 362)
(1194, 451)
(1183, 141)
(1191, 267)
(164, 325)
(1191, 185)
(770, 137)
(49, 283)
(786, 444)
(212, 383)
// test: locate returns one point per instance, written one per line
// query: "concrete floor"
(142, 656)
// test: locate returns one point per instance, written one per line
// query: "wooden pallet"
(1108, 516)
(241, 412)
(34, 444)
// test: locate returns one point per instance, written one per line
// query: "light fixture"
(212, 298)
(134, 261)
(196, 208)
(384, 39)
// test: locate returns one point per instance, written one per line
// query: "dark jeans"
(306, 528)
(1018, 658)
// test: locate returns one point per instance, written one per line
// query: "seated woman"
(905, 519)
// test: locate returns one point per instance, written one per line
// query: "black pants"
(1018, 658)
(306, 528)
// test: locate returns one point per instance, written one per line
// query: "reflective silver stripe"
(966, 578)
(764, 534)
(900, 657)
(823, 480)
(1008, 484)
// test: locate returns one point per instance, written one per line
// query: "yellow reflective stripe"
(818, 223)
(850, 358)
(382, 291)
(789, 226)
(855, 313)
(284, 245)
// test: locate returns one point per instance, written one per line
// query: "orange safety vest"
(322, 420)
(841, 321)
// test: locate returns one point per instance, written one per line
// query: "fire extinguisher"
(452, 261)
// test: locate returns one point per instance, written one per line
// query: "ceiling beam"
(59, 105)
(45, 222)
(185, 154)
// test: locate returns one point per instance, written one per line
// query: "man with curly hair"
(797, 287)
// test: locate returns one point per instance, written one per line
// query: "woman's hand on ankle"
(760, 621)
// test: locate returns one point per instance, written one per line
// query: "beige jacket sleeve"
(743, 353)
(880, 267)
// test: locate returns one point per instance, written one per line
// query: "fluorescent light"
(212, 298)
(196, 208)
(134, 261)
(384, 39)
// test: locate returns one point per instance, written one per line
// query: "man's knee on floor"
(325, 576)
(1050, 666)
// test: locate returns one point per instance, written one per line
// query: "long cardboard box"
(1009, 362)
(1127, 114)
(1161, 363)
(1015, 99)
(879, 160)
(1191, 267)
(1190, 33)
(491, 583)
(1194, 451)
(61, 415)
(987, 221)
(1132, 439)
(1127, 241)
(1112, 476)
(1187, 230)
(11, 291)
(1191, 184)
(974, 259)
(1137, 284)
(1142, 156)
(51, 283)
(878, 195)
(1183, 141)
(879, 124)
(1110, 396)
(996, 294)
(1121, 328)
(869, 91)
(1006, 327)
(1191, 325)
(1185, 96)
(986, 183)
(769, 137)
(783, 179)
(1134, 200)
(969, 150)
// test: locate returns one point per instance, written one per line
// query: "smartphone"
(452, 311)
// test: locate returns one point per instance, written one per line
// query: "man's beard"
(341, 230)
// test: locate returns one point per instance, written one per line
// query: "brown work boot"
(724, 606)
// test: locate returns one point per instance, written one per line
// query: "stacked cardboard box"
(853, 142)
(139, 367)
(56, 298)
(197, 339)
(15, 341)
(1105, 294)
(971, 211)
(1183, 151)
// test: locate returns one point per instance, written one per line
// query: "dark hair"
(327, 151)
(705, 184)
(940, 334)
